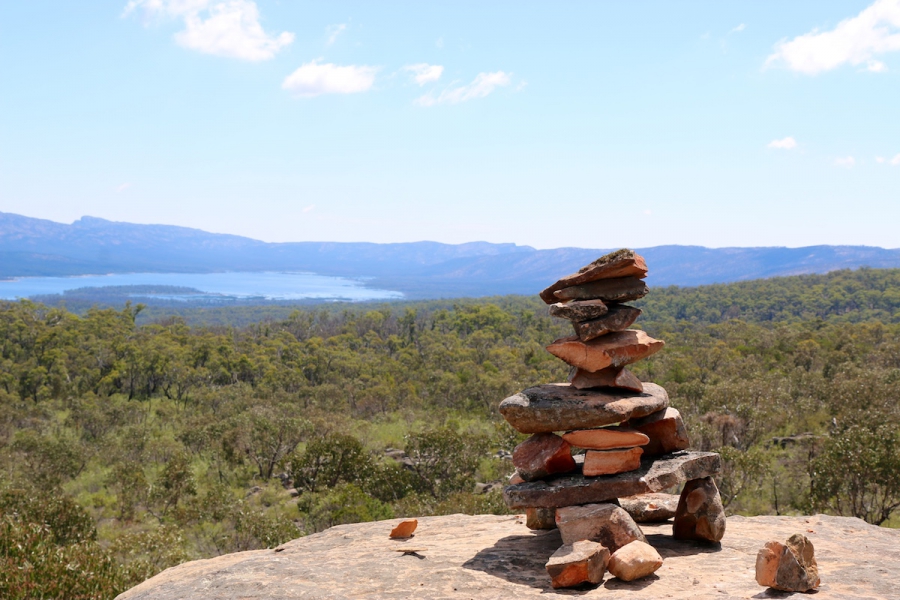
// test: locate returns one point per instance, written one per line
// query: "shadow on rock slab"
(667, 546)
(520, 559)
(773, 593)
(614, 583)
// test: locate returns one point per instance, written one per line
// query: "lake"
(267, 285)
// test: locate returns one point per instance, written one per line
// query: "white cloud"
(424, 73)
(854, 41)
(787, 143)
(896, 160)
(876, 66)
(846, 162)
(334, 31)
(230, 28)
(481, 86)
(739, 28)
(879, 160)
(122, 188)
(309, 208)
(315, 78)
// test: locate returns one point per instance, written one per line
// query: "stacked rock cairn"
(605, 436)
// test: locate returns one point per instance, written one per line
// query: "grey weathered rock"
(634, 561)
(612, 377)
(540, 518)
(665, 429)
(790, 567)
(541, 455)
(605, 523)
(560, 407)
(619, 318)
(622, 289)
(579, 310)
(653, 476)
(700, 514)
(650, 508)
(613, 350)
(574, 564)
(621, 263)
(489, 557)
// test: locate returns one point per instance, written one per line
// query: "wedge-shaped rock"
(574, 564)
(635, 560)
(650, 508)
(622, 379)
(621, 263)
(619, 318)
(605, 523)
(700, 514)
(790, 567)
(610, 462)
(541, 455)
(579, 310)
(623, 289)
(606, 438)
(404, 529)
(665, 429)
(653, 476)
(613, 350)
(560, 407)
(540, 518)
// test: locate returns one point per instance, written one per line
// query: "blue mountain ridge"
(39, 247)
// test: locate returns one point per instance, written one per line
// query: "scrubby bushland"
(164, 441)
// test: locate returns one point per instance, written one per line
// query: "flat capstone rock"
(561, 407)
(654, 475)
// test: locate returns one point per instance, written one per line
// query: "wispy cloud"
(853, 41)
(230, 28)
(309, 208)
(787, 143)
(334, 31)
(122, 188)
(315, 78)
(847, 162)
(481, 86)
(739, 28)
(896, 161)
(424, 73)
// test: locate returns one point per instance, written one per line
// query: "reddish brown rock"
(579, 310)
(653, 476)
(540, 518)
(619, 318)
(515, 478)
(574, 564)
(610, 462)
(622, 379)
(561, 407)
(700, 514)
(650, 508)
(605, 523)
(623, 289)
(614, 350)
(404, 529)
(606, 438)
(665, 429)
(541, 455)
(621, 263)
(790, 567)
(634, 561)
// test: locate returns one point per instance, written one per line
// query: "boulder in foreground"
(574, 564)
(634, 561)
(790, 567)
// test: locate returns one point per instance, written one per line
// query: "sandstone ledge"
(493, 557)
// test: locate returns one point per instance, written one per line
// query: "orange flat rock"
(610, 462)
(606, 439)
(612, 350)
(404, 529)
(621, 263)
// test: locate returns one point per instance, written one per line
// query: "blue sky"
(591, 124)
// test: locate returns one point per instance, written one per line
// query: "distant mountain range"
(38, 247)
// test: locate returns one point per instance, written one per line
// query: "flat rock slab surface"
(492, 557)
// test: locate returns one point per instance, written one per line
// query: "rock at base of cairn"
(538, 519)
(605, 523)
(790, 567)
(541, 455)
(700, 514)
(610, 462)
(574, 564)
(650, 508)
(612, 350)
(561, 407)
(622, 379)
(653, 476)
(635, 560)
(665, 429)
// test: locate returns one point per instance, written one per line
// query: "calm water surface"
(268, 285)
